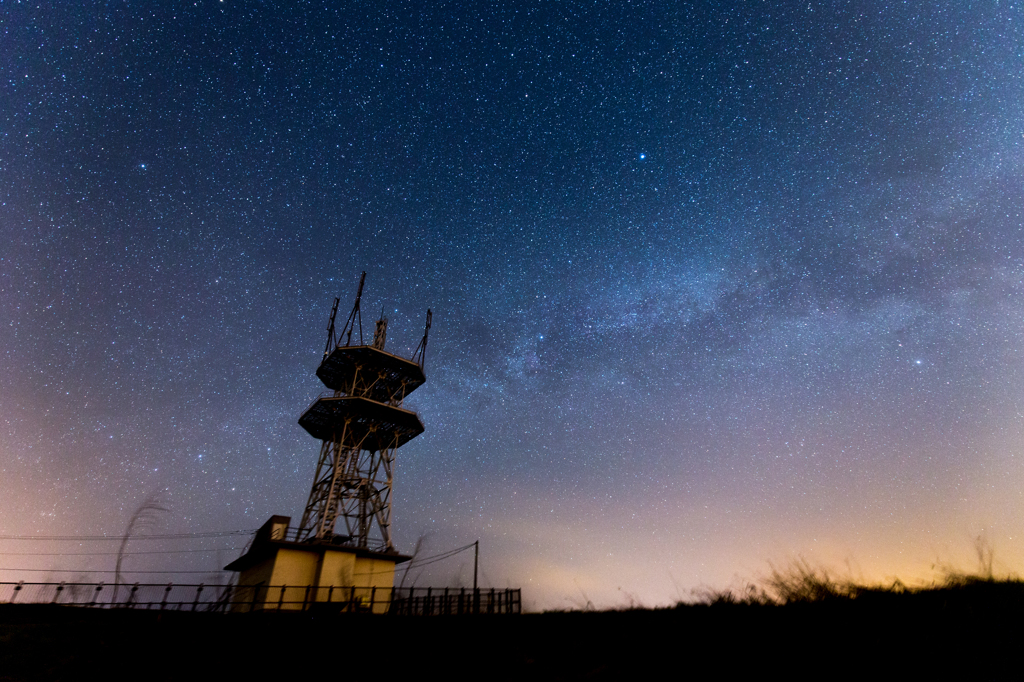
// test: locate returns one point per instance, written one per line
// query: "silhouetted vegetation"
(803, 583)
(800, 621)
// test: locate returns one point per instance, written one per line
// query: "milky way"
(714, 285)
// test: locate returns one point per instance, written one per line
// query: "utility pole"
(476, 562)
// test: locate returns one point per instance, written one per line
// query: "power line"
(169, 551)
(91, 538)
(415, 563)
(78, 570)
(426, 561)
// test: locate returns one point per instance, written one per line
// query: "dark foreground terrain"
(972, 630)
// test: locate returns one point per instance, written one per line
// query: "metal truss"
(354, 485)
(360, 425)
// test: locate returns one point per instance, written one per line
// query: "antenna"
(419, 355)
(332, 342)
(354, 317)
(380, 331)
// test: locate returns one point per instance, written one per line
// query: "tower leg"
(356, 486)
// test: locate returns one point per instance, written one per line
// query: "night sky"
(715, 285)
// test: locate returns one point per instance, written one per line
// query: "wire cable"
(91, 538)
(78, 570)
(169, 551)
(426, 561)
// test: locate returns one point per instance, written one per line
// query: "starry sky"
(715, 284)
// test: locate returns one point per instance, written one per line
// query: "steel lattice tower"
(360, 424)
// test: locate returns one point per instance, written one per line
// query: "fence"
(408, 601)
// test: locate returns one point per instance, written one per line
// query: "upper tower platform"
(371, 373)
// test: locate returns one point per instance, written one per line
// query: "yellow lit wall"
(339, 576)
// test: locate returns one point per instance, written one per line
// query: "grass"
(800, 620)
(799, 583)
(803, 583)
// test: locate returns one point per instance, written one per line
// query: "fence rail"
(407, 601)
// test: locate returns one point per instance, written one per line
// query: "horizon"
(713, 287)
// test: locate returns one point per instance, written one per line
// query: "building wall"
(281, 581)
(257, 575)
(371, 572)
(337, 569)
(294, 567)
(255, 578)
(373, 579)
(294, 572)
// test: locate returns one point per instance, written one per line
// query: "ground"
(972, 630)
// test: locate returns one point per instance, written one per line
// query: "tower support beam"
(360, 426)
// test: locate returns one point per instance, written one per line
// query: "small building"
(278, 572)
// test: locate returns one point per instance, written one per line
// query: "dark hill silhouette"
(965, 625)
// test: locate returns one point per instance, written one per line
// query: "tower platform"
(371, 373)
(360, 422)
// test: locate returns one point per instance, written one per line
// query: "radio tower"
(360, 424)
